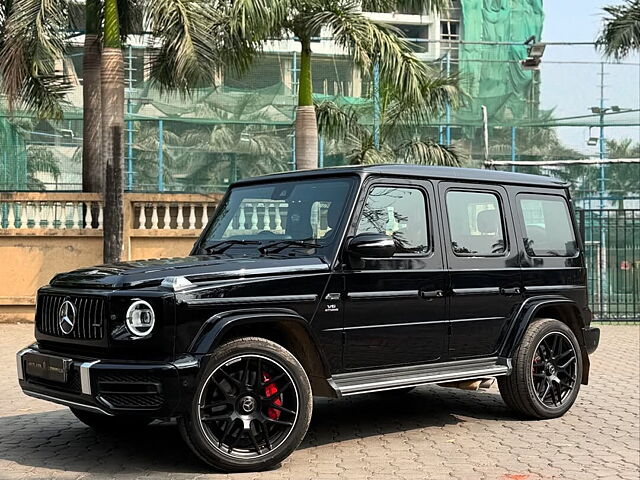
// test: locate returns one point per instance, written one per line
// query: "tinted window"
(399, 213)
(547, 226)
(475, 223)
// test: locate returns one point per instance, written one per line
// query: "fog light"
(140, 318)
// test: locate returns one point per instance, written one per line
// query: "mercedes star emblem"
(67, 317)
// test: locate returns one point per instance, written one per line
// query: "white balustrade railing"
(171, 215)
(72, 215)
(85, 211)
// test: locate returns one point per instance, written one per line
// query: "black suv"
(332, 282)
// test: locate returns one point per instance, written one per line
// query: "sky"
(572, 88)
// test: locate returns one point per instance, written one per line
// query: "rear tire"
(251, 409)
(105, 423)
(547, 370)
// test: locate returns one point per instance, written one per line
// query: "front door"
(482, 257)
(395, 310)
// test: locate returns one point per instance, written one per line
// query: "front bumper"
(113, 387)
(591, 338)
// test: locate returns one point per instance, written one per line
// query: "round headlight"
(140, 318)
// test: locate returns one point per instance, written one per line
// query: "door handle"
(510, 291)
(431, 294)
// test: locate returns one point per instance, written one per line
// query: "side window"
(548, 230)
(399, 213)
(475, 223)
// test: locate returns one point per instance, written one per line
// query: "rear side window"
(475, 223)
(548, 231)
(399, 213)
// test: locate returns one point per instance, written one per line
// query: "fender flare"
(528, 312)
(215, 328)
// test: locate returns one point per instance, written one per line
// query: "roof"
(421, 171)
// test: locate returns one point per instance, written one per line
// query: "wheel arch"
(282, 326)
(559, 308)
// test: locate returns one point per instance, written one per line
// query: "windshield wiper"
(279, 245)
(220, 247)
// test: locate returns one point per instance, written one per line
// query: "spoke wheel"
(554, 369)
(546, 371)
(248, 406)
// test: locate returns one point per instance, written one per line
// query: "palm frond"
(621, 33)
(187, 35)
(33, 41)
(337, 122)
(427, 152)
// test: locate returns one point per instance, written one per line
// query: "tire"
(251, 409)
(547, 370)
(104, 423)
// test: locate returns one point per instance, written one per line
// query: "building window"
(415, 33)
(450, 30)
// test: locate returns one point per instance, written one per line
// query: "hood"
(148, 273)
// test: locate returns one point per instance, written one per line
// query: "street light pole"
(602, 146)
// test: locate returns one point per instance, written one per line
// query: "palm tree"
(367, 41)
(191, 40)
(621, 32)
(403, 125)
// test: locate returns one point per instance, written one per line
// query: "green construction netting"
(14, 172)
(492, 74)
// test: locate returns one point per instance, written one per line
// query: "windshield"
(309, 212)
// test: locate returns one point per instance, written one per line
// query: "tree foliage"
(621, 33)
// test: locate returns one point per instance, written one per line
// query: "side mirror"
(372, 245)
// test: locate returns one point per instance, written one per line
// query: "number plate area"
(46, 367)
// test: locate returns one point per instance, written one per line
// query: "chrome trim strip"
(551, 288)
(383, 294)
(408, 324)
(85, 376)
(68, 403)
(479, 319)
(261, 299)
(240, 273)
(19, 364)
(476, 291)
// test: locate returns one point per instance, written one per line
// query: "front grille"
(130, 389)
(90, 317)
(73, 384)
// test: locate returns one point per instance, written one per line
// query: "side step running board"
(355, 383)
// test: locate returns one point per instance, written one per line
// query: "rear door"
(482, 258)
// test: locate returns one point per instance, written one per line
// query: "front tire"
(547, 370)
(251, 409)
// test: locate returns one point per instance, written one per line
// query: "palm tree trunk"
(92, 166)
(306, 125)
(112, 92)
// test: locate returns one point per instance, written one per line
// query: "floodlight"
(593, 141)
(615, 108)
(596, 110)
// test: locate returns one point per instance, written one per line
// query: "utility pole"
(604, 283)
(376, 105)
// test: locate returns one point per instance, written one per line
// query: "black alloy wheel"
(252, 406)
(248, 406)
(547, 371)
(554, 369)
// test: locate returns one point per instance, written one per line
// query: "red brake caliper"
(270, 390)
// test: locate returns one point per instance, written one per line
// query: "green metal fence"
(612, 245)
